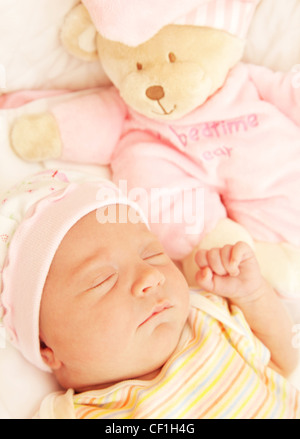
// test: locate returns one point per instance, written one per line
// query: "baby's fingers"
(225, 286)
(212, 259)
(219, 260)
(204, 279)
(228, 261)
(240, 252)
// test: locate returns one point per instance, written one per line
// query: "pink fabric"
(140, 20)
(242, 146)
(103, 113)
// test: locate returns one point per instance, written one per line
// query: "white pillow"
(274, 35)
(22, 386)
(31, 54)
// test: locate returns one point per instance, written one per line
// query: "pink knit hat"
(133, 22)
(34, 217)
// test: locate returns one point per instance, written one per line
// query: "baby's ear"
(78, 34)
(49, 357)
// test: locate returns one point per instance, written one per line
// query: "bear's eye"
(172, 57)
(139, 66)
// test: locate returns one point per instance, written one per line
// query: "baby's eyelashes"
(104, 283)
(159, 258)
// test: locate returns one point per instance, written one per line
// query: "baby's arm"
(233, 272)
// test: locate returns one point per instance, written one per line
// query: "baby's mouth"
(158, 309)
(165, 112)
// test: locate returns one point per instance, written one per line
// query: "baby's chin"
(151, 372)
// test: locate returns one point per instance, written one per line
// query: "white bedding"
(31, 57)
(31, 51)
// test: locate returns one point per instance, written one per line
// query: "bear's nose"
(156, 92)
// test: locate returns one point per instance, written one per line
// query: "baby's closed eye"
(156, 256)
(104, 282)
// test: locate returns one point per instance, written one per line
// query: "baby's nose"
(147, 281)
(155, 93)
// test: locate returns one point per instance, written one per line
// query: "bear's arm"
(90, 126)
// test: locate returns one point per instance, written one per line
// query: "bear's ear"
(78, 34)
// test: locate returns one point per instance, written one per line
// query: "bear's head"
(165, 76)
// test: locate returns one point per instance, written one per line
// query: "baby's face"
(113, 307)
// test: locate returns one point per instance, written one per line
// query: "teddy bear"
(209, 146)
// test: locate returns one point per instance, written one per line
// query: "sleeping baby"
(89, 294)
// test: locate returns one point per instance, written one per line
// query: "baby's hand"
(231, 271)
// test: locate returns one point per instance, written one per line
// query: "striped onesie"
(218, 371)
